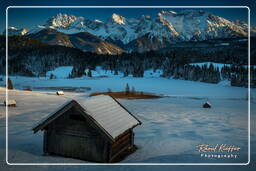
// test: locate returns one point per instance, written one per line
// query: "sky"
(27, 18)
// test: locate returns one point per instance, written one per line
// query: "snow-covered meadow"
(172, 126)
(61, 72)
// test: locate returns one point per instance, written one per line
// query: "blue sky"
(30, 17)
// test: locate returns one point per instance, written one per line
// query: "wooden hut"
(98, 129)
(207, 105)
(10, 103)
(59, 93)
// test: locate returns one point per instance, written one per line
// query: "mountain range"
(120, 34)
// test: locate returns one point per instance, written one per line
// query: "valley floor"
(172, 126)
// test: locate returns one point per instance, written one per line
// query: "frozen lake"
(172, 126)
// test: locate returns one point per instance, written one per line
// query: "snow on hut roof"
(110, 114)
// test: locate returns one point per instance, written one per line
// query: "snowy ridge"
(16, 31)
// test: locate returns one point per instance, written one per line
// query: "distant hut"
(98, 129)
(10, 103)
(28, 88)
(60, 93)
(207, 105)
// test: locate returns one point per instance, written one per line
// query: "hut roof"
(106, 112)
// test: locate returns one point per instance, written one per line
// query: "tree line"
(35, 59)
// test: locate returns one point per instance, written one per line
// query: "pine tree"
(10, 85)
(52, 76)
(126, 73)
(115, 72)
(89, 73)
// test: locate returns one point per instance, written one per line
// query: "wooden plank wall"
(71, 136)
(121, 144)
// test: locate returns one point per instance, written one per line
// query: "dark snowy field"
(172, 126)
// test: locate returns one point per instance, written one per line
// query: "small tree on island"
(109, 90)
(10, 85)
(127, 88)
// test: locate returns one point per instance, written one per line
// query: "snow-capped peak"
(62, 20)
(98, 21)
(12, 28)
(118, 19)
(24, 31)
(173, 12)
(15, 31)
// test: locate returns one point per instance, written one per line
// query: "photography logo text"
(218, 151)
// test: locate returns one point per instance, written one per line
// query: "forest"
(30, 57)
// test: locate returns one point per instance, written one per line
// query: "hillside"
(83, 40)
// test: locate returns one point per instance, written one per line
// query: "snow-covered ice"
(153, 73)
(60, 72)
(99, 72)
(161, 85)
(171, 127)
